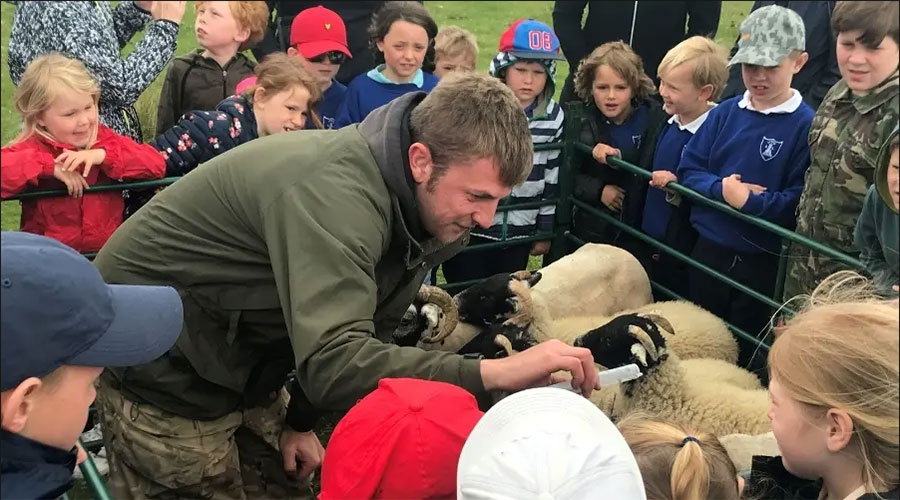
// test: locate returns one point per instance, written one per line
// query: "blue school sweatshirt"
(330, 105)
(766, 147)
(669, 147)
(627, 136)
(371, 90)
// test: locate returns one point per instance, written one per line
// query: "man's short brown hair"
(474, 116)
(624, 61)
(876, 20)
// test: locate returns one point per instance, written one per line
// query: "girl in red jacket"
(62, 144)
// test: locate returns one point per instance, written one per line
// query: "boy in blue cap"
(526, 62)
(61, 324)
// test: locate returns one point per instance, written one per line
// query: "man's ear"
(420, 162)
(17, 404)
(839, 427)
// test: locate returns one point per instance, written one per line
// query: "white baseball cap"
(547, 444)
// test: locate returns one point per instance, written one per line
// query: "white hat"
(547, 444)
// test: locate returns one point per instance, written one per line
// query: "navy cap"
(57, 310)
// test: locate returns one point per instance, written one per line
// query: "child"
(319, 40)
(751, 154)
(62, 144)
(621, 119)
(529, 70)
(454, 50)
(205, 77)
(858, 113)
(691, 75)
(278, 102)
(404, 425)
(61, 325)
(546, 443)
(403, 33)
(878, 228)
(833, 389)
(680, 464)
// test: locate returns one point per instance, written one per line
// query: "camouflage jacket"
(844, 139)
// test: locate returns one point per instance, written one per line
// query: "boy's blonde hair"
(677, 463)
(841, 351)
(252, 15)
(45, 78)
(624, 61)
(472, 116)
(279, 72)
(452, 41)
(709, 62)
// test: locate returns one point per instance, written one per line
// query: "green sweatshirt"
(296, 249)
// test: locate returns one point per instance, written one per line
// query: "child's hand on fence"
(612, 197)
(85, 159)
(75, 183)
(736, 192)
(661, 178)
(540, 247)
(601, 151)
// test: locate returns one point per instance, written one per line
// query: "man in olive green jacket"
(304, 250)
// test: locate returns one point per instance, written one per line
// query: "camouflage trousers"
(156, 454)
(806, 269)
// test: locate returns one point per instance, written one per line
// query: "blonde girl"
(680, 464)
(834, 391)
(63, 145)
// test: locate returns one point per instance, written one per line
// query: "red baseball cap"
(317, 30)
(402, 441)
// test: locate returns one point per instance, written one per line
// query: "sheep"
(667, 389)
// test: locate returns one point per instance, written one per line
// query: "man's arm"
(567, 25)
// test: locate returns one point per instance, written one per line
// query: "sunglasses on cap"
(333, 56)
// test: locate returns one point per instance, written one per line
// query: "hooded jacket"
(82, 223)
(877, 234)
(29, 469)
(197, 82)
(546, 125)
(301, 249)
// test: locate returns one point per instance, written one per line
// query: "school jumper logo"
(769, 148)
(636, 140)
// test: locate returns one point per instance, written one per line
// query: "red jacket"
(83, 223)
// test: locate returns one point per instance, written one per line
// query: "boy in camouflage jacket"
(854, 120)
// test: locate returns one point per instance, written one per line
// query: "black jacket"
(356, 16)
(821, 71)
(651, 28)
(29, 469)
(591, 177)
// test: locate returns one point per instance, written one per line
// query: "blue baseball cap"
(530, 39)
(55, 309)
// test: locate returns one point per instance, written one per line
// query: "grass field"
(486, 20)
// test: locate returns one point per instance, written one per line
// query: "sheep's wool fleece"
(547, 443)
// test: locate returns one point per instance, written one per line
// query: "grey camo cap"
(768, 35)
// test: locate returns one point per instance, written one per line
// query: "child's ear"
(18, 403)
(380, 45)
(839, 429)
(242, 35)
(800, 61)
(259, 95)
(293, 52)
(706, 92)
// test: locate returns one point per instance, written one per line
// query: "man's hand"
(535, 367)
(540, 247)
(612, 197)
(737, 192)
(168, 11)
(75, 183)
(661, 178)
(301, 448)
(601, 151)
(84, 159)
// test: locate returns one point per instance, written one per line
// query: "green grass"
(486, 20)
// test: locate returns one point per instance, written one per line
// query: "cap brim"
(313, 49)
(538, 55)
(750, 56)
(147, 322)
